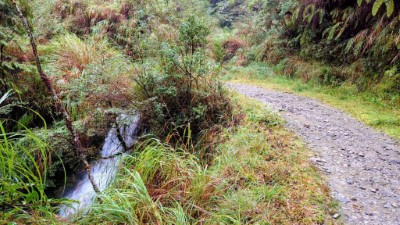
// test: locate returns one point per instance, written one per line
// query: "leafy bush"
(185, 92)
(344, 32)
(357, 40)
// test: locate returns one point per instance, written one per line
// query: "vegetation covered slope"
(357, 40)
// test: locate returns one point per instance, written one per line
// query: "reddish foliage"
(17, 53)
(82, 19)
(231, 47)
(128, 10)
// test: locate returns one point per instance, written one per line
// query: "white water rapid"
(104, 169)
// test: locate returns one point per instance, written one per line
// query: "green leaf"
(389, 7)
(377, 5)
(359, 2)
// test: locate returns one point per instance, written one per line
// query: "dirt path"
(361, 164)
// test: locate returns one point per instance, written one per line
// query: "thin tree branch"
(60, 107)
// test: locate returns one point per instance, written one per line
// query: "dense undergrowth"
(333, 43)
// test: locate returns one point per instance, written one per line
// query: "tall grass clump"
(155, 186)
(24, 164)
(88, 72)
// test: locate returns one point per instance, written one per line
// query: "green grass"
(259, 174)
(24, 159)
(364, 106)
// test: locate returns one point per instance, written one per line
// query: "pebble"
(349, 181)
(318, 160)
(336, 216)
(343, 199)
(369, 213)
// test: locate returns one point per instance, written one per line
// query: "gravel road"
(362, 165)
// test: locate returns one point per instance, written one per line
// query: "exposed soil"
(362, 165)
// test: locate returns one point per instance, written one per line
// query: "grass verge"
(260, 174)
(363, 106)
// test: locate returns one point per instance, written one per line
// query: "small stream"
(104, 169)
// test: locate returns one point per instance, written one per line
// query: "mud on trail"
(362, 166)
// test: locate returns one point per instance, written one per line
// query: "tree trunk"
(80, 151)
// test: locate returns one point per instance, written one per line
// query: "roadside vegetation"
(364, 106)
(345, 53)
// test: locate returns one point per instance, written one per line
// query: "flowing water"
(105, 168)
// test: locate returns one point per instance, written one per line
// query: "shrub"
(390, 85)
(218, 52)
(184, 96)
(88, 73)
